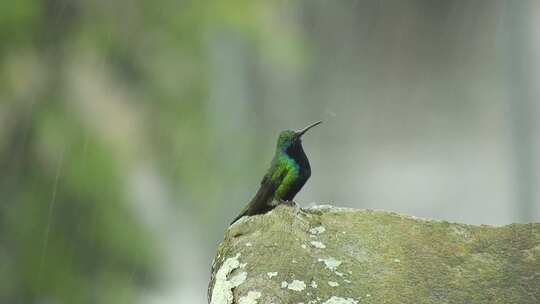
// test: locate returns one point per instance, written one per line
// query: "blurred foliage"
(91, 90)
(77, 78)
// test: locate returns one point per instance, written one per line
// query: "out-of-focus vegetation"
(131, 132)
(89, 90)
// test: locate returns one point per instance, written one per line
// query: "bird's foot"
(290, 203)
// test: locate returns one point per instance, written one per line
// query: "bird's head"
(288, 138)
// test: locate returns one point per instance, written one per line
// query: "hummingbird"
(288, 172)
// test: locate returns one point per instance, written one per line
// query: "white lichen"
(295, 285)
(317, 230)
(250, 298)
(330, 263)
(313, 284)
(339, 300)
(333, 284)
(240, 220)
(321, 207)
(248, 244)
(304, 246)
(318, 244)
(271, 274)
(222, 290)
(330, 208)
(396, 261)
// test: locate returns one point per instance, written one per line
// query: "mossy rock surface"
(334, 255)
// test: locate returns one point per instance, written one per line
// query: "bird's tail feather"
(238, 217)
(260, 202)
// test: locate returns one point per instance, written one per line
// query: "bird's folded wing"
(262, 200)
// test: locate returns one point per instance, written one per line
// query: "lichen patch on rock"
(222, 291)
(271, 274)
(317, 244)
(339, 300)
(333, 284)
(330, 263)
(317, 230)
(250, 298)
(295, 285)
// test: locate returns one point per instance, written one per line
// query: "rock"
(331, 255)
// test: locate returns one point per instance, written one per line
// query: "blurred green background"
(132, 132)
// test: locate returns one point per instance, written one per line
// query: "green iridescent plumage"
(290, 166)
(288, 173)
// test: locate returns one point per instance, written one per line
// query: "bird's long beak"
(304, 130)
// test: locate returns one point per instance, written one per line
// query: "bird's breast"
(290, 164)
